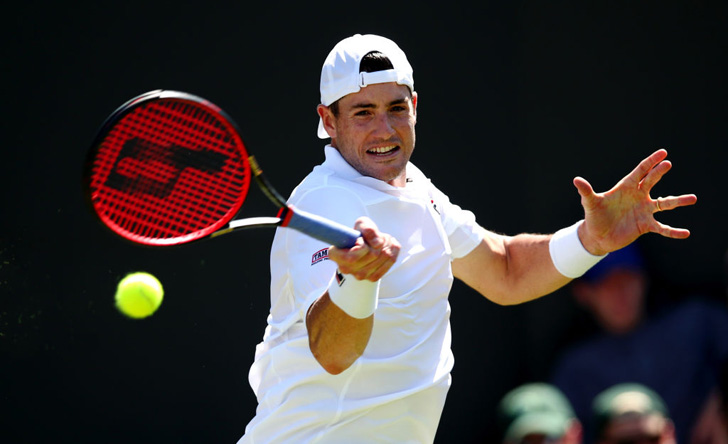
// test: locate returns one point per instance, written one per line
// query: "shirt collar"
(336, 162)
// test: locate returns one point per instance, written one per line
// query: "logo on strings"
(143, 167)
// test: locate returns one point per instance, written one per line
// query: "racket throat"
(285, 214)
(264, 184)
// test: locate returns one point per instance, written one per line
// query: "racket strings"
(169, 170)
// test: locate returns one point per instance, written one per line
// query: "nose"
(383, 125)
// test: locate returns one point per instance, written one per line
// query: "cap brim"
(553, 425)
(322, 134)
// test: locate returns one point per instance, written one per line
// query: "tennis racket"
(168, 168)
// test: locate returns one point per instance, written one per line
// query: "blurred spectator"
(537, 413)
(631, 414)
(678, 351)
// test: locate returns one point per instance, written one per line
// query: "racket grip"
(321, 228)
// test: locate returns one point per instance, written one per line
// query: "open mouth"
(383, 150)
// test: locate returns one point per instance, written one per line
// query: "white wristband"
(357, 298)
(569, 255)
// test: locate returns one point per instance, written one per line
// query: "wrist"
(569, 255)
(357, 298)
(590, 243)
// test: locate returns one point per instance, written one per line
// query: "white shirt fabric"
(395, 392)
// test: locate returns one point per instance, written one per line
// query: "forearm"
(519, 269)
(512, 270)
(529, 269)
(340, 322)
(336, 339)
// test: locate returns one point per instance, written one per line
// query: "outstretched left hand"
(616, 218)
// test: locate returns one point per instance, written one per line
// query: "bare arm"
(337, 339)
(511, 270)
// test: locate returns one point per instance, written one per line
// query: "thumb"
(585, 190)
(369, 232)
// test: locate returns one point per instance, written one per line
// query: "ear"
(327, 117)
(668, 433)
(574, 433)
(414, 104)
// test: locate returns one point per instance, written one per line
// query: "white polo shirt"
(395, 392)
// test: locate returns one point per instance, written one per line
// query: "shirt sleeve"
(462, 230)
(302, 268)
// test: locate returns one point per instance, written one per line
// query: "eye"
(400, 109)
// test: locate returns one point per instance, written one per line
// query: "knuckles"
(365, 262)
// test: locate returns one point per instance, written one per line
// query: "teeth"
(382, 150)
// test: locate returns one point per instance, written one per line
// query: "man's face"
(650, 429)
(537, 438)
(375, 130)
(617, 300)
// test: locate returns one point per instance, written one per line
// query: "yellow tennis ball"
(139, 295)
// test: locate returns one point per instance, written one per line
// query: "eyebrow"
(369, 105)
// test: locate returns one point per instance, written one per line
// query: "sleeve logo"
(321, 255)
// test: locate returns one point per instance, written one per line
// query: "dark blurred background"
(516, 98)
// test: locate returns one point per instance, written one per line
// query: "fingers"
(655, 175)
(643, 168)
(667, 204)
(668, 231)
(369, 232)
(647, 173)
(671, 202)
(372, 256)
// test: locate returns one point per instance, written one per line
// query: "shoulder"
(322, 180)
(327, 189)
(695, 310)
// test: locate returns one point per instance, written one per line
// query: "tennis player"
(357, 346)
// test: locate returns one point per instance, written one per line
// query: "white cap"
(340, 74)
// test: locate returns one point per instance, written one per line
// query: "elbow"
(336, 342)
(334, 368)
(508, 295)
(501, 299)
(337, 349)
(514, 297)
(501, 294)
(333, 355)
(334, 365)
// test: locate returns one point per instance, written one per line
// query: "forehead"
(377, 94)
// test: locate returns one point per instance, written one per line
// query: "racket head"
(167, 168)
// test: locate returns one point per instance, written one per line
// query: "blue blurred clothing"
(678, 353)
